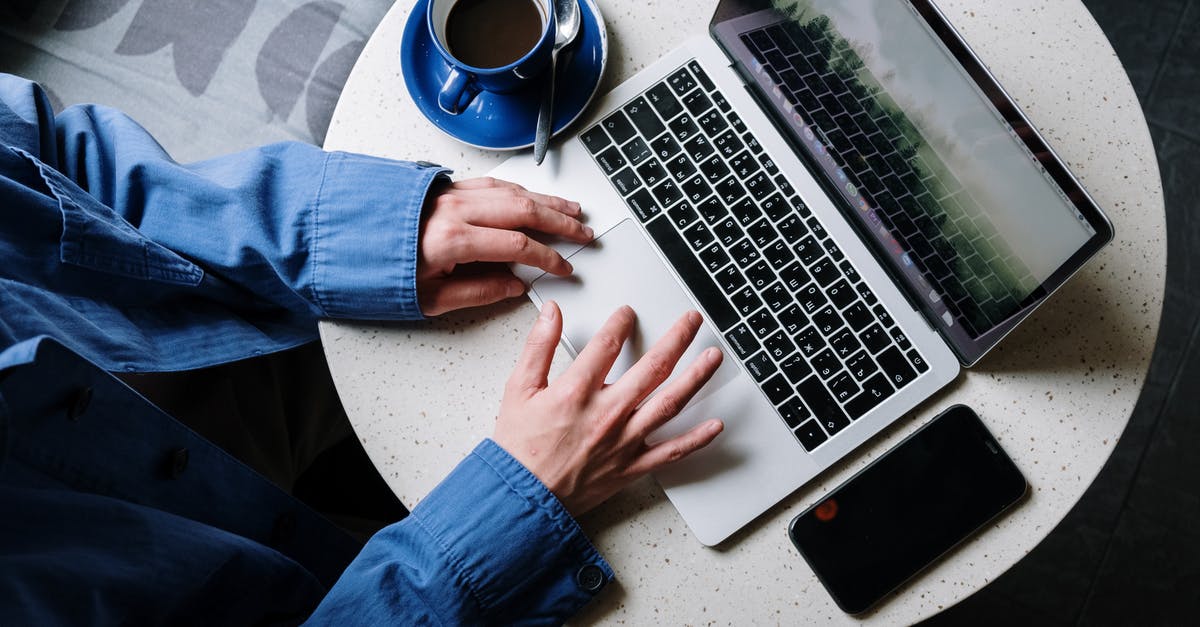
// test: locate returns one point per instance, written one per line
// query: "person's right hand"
(586, 440)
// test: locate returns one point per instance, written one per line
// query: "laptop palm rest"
(620, 268)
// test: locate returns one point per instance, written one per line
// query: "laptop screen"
(925, 151)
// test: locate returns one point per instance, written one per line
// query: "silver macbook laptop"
(851, 200)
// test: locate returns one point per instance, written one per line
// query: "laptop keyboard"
(920, 202)
(820, 345)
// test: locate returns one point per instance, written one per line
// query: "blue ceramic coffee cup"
(465, 80)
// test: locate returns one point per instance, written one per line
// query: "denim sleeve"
(489, 545)
(321, 233)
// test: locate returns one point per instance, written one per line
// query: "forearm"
(488, 545)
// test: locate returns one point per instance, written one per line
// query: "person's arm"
(495, 543)
(328, 234)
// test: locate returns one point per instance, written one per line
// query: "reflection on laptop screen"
(933, 170)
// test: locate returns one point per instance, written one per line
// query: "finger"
(657, 364)
(516, 213)
(533, 367)
(671, 400)
(484, 182)
(501, 187)
(438, 296)
(487, 244)
(592, 364)
(676, 448)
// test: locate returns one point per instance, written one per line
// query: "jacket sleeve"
(489, 545)
(326, 234)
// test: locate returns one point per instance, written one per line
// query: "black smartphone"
(907, 508)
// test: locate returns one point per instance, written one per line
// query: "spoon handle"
(541, 139)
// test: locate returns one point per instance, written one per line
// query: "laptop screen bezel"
(968, 350)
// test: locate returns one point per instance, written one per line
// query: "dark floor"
(1129, 552)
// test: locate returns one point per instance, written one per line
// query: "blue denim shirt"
(114, 257)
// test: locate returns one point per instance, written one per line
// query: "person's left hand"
(469, 229)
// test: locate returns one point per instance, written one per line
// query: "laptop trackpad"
(621, 268)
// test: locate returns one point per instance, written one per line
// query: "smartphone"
(906, 509)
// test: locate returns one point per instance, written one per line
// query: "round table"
(1057, 392)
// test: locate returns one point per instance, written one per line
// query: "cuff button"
(590, 578)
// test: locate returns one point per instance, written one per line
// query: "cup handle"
(457, 92)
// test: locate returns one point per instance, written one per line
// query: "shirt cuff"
(366, 221)
(514, 545)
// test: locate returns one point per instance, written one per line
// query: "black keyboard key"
(682, 215)
(595, 139)
(683, 128)
(875, 338)
(821, 404)
(752, 144)
(697, 103)
(665, 147)
(792, 228)
(714, 257)
(745, 211)
(786, 188)
(721, 102)
(760, 186)
(698, 148)
(644, 118)
(713, 123)
(818, 229)
(866, 294)
(652, 172)
(794, 276)
(777, 296)
(768, 164)
(744, 253)
(808, 250)
(643, 205)
(896, 367)
(611, 160)
(692, 273)
(779, 255)
(779, 346)
(743, 165)
(841, 294)
(810, 341)
(681, 167)
(713, 211)
(776, 208)
(885, 318)
(698, 236)
(735, 121)
(845, 343)
(777, 389)
(858, 316)
(849, 272)
(626, 181)
(728, 144)
(762, 233)
(782, 40)
(663, 101)
(835, 252)
(745, 301)
(861, 366)
(793, 412)
(824, 272)
(760, 366)
(843, 387)
(875, 390)
(792, 318)
(763, 324)
(827, 321)
(681, 81)
(714, 169)
(730, 279)
(618, 127)
(667, 193)
(728, 231)
(730, 190)
(795, 368)
(695, 189)
(900, 339)
(811, 298)
(636, 151)
(705, 82)
(742, 341)
(826, 364)
(810, 435)
(917, 361)
(760, 274)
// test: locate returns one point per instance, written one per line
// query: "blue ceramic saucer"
(504, 121)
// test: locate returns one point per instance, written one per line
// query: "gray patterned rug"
(207, 77)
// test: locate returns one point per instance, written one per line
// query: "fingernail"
(711, 353)
(515, 288)
(588, 232)
(547, 312)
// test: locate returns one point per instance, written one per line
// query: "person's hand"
(469, 229)
(586, 440)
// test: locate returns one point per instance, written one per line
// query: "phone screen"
(907, 508)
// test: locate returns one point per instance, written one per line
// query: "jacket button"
(590, 578)
(79, 405)
(428, 164)
(177, 462)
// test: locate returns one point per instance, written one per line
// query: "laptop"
(850, 199)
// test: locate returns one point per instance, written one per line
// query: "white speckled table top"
(1057, 393)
